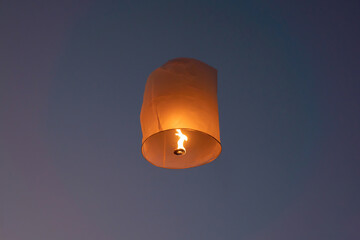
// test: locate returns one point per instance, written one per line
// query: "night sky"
(72, 78)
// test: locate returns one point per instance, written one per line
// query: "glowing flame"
(180, 148)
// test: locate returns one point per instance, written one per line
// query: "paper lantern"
(179, 116)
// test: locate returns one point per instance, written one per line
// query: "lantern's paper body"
(181, 94)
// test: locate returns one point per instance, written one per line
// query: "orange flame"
(180, 143)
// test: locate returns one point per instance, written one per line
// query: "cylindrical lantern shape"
(179, 116)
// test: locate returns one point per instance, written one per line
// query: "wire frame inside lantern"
(201, 148)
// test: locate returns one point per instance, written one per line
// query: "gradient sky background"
(72, 76)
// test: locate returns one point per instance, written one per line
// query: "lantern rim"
(191, 129)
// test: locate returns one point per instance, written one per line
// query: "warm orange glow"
(180, 104)
(180, 144)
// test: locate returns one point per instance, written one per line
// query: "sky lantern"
(179, 116)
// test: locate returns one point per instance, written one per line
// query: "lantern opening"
(180, 144)
(201, 148)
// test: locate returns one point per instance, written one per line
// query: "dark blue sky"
(72, 76)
